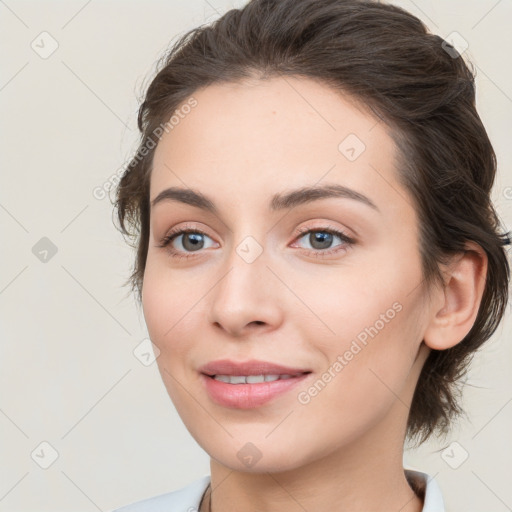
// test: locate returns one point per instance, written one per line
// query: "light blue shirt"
(187, 499)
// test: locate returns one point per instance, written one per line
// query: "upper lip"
(252, 367)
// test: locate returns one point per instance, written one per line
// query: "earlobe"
(455, 309)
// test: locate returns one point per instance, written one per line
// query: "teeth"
(250, 379)
(255, 379)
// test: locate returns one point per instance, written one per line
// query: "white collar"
(433, 498)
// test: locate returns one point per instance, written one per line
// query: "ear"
(455, 310)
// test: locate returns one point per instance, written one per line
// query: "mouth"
(252, 368)
(253, 379)
(250, 391)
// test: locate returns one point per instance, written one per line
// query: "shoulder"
(428, 489)
(185, 499)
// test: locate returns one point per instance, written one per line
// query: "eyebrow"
(282, 201)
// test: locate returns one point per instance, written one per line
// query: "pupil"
(324, 238)
(194, 239)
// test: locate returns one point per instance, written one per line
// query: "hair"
(384, 58)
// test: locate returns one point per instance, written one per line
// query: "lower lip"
(248, 396)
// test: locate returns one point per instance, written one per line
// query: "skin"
(241, 144)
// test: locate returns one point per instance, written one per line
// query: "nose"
(247, 298)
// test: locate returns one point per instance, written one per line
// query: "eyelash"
(166, 241)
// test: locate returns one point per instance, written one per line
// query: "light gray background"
(68, 373)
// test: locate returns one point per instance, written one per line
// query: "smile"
(249, 391)
(250, 379)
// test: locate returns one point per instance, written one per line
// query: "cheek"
(175, 320)
(375, 329)
(363, 382)
(350, 305)
(156, 308)
(165, 314)
(165, 298)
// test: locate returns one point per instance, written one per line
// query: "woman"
(318, 257)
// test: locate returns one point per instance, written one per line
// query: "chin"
(253, 457)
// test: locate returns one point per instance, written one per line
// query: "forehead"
(261, 136)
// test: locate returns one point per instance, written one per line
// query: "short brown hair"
(385, 58)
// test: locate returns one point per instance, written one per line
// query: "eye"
(193, 240)
(322, 238)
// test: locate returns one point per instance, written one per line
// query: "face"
(326, 284)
